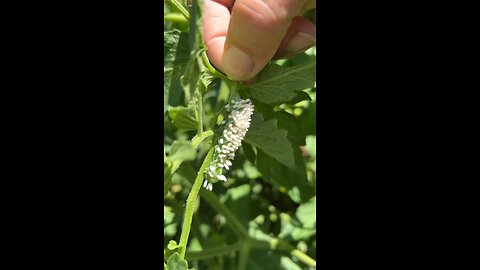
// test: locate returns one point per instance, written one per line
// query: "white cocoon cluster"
(236, 127)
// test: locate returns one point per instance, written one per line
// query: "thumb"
(255, 32)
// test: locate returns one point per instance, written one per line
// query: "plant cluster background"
(264, 215)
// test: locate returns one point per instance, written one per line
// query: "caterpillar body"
(235, 127)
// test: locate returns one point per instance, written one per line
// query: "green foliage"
(277, 84)
(183, 118)
(289, 123)
(175, 56)
(306, 213)
(272, 141)
(275, 261)
(181, 150)
(176, 263)
(264, 216)
(172, 245)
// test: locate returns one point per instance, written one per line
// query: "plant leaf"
(249, 153)
(277, 84)
(308, 119)
(206, 78)
(272, 170)
(296, 233)
(239, 199)
(176, 263)
(172, 245)
(181, 150)
(194, 86)
(291, 124)
(183, 118)
(301, 96)
(273, 141)
(311, 145)
(176, 53)
(306, 213)
(295, 180)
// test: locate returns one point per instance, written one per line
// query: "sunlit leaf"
(272, 141)
(276, 84)
(172, 245)
(311, 143)
(307, 214)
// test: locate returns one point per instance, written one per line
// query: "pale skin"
(242, 36)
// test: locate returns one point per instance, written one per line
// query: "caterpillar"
(235, 127)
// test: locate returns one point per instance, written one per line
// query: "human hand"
(242, 36)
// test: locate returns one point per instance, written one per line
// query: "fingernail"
(299, 41)
(237, 63)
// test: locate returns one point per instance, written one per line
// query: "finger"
(300, 36)
(216, 17)
(255, 32)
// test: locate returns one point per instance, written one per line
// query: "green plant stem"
(304, 257)
(199, 138)
(212, 70)
(213, 252)
(187, 222)
(232, 85)
(236, 225)
(243, 255)
(174, 17)
(180, 7)
(187, 172)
